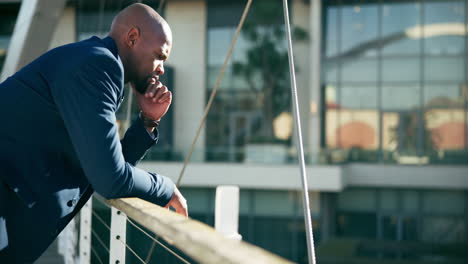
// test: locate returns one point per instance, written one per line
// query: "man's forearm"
(137, 140)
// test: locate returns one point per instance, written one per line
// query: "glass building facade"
(254, 92)
(402, 224)
(395, 80)
(394, 89)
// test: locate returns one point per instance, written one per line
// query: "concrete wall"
(251, 176)
(320, 178)
(315, 27)
(188, 57)
(399, 176)
(300, 19)
(65, 32)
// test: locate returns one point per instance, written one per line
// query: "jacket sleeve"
(137, 141)
(87, 100)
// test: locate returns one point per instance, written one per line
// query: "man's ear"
(132, 36)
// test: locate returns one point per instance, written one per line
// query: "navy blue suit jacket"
(59, 142)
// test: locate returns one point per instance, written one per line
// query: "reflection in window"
(389, 126)
(359, 24)
(400, 132)
(330, 69)
(359, 70)
(353, 129)
(331, 96)
(252, 107)
(400, 96)
(447, 129)
(358, 97)
(393, 37)
(444, 95)
(405, 80)
(352, 122)
(444, 69)
(450, 40)
(332, 31)
(400, 69)
(219, 40)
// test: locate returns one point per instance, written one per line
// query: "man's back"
(37, 159)
(32, 125)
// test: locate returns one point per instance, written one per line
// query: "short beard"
(140, 86)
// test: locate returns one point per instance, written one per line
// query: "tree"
(266, 68)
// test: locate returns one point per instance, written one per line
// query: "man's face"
(147, 59)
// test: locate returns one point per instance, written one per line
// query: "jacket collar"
(110, 44)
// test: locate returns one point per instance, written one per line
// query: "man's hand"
(156, 101)
(178, 202)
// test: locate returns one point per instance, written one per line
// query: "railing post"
(117, 237)
(227, 211)
(85, 232)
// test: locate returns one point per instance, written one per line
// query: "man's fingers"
(165, 97)
(159, 92)
(178, 202)
(152, 89)
(183, 212)
(181, 209)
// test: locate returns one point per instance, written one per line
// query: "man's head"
(144, 41)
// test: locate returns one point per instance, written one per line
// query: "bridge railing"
(200, 242)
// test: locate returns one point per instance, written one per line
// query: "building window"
(406, 62)
(251, 116)
(400, 224)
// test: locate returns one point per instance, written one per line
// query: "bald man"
(59, 138)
